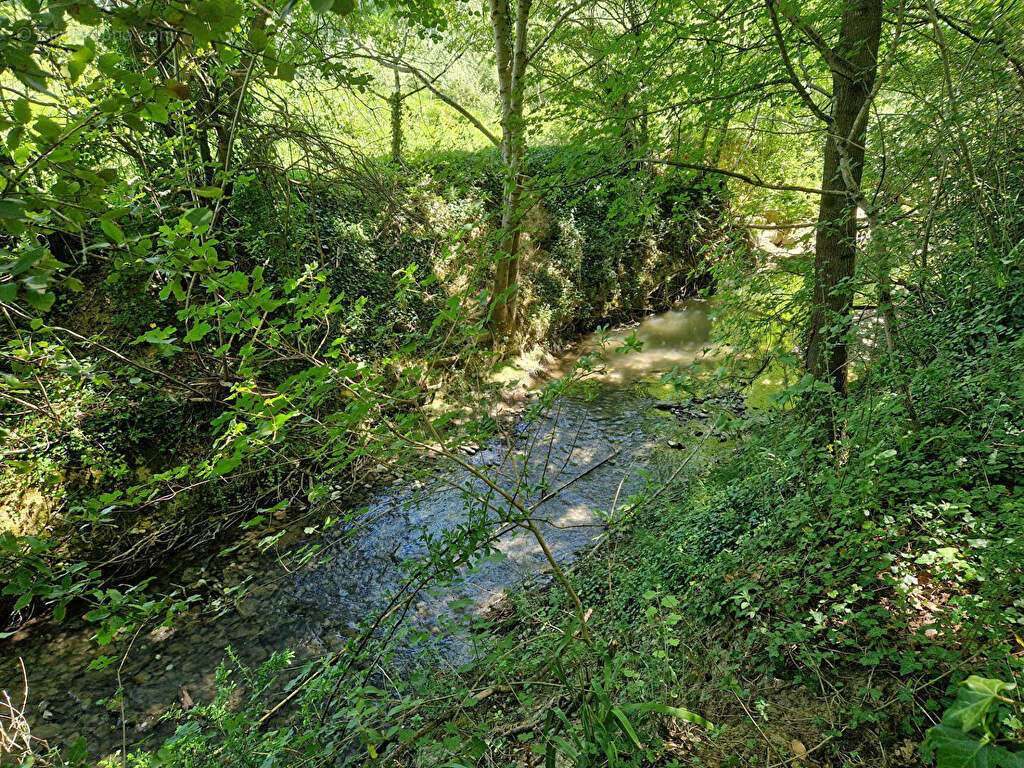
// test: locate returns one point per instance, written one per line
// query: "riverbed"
(575, 467)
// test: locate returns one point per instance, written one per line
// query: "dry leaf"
(798, 748)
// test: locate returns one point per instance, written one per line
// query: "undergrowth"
(784, 604)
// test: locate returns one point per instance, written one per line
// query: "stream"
(588, 451)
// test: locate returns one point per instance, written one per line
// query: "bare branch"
(743, 177)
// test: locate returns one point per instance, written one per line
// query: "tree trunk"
(396, 121)
(835, 250)
(227, 127)
(510, 50)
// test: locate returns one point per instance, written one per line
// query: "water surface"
(584, 454)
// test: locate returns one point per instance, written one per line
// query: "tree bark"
(396, 121)
(835, 250)
(511, 54)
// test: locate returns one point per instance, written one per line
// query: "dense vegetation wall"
(605, 248)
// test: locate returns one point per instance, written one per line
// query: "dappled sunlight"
(648, 349)
(621, 384)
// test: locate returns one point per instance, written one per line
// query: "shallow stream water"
(587, 450)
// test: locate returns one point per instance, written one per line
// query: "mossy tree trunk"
(853, 64)
(510, 39)
(396, 120)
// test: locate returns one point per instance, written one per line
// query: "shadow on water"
(577, 464)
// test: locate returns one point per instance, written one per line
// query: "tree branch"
(793, 77)
(403, 66)
(754, 182)
(554, 27)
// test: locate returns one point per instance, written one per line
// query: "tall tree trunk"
(396, 121)
(510, 50)
(835, 249)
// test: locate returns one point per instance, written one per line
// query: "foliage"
(973, 726)
(223, 305)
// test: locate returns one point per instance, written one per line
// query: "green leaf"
(22, 601)
(27, 260)
(155, 112)
(626, 726)
(11, 208)
(39, 300)
(951, 748)
(22, 111)
(108, 63)
(178, 89)
(111, 230)
(80, 59)
(47, 128)
(286, 71)
(208, 192)
(258, 39)
(236, 281)
(34, 78)
(85, 12)
(14, 137)
(132, 121)
(270, 59)
(973, 700)
(226, 465)
(663, 709)
(199, 217)
(198, 331)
